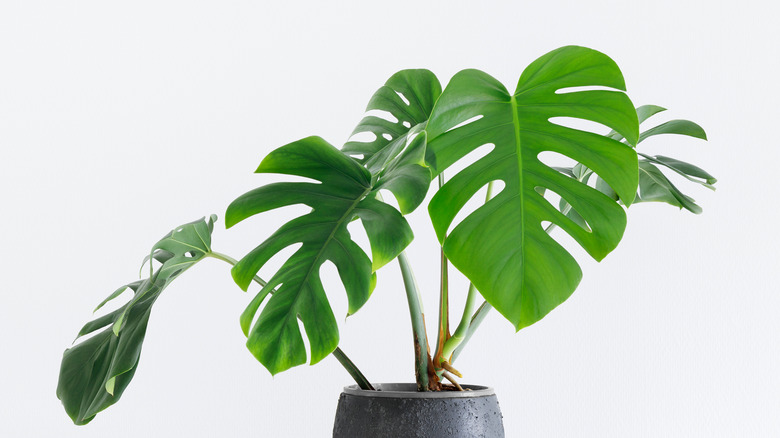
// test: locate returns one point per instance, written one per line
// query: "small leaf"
(685, 169)
(655, 186)
(681, 127)
(644, 112)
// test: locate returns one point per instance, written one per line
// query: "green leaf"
(652, 182)
(687, 170)
(396, 157)
(419, 87)
(681, 127)
(95, 372)
(345, 191)
(654, 186)
(501, 247)
(644, 112)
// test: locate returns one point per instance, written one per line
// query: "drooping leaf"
(654, 186)
(501, 247)
(344, 191)
(686, 170)
(396, 156)
(95, 372)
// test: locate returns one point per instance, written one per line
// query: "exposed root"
(451, 378)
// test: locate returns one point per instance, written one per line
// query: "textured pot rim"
(409, 390)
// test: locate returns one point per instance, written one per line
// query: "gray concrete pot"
(398, 410)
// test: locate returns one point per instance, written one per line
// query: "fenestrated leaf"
(95, 372)
(396, 156)
(420, 88)
(345, 191)
(501, 247)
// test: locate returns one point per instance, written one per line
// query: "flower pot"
(398, 410)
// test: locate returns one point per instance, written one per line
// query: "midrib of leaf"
(204, 249)
(202, 241)
(518, 149)
(677, 171)
(325, 245)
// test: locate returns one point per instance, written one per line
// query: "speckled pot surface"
(398, 410)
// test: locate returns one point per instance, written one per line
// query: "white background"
(119, 122)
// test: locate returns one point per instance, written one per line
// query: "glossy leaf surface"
(344, 191)
(95, 372)
(502, 247)
(396, 156)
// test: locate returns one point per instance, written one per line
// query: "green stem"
(343, 359)
(465, 322)
(353, 370)
(418, 324)
(462, 330)
(444, 311)
(476, 320)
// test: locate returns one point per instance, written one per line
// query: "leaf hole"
(559, 203)
(334, 287)
(363, 137)
(276, 261)
(555, 159)
(358, 234)
(382, 114)
(387, 136)
(407, 124)
(580, 124)
(470, 158)
(406, 101)
(568, 90)
(477, 200)
(466, 122)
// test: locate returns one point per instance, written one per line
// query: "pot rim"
(409, 390)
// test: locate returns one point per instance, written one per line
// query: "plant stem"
(339, 354)
(352, 369)
(476, 320)
(443, 333)
(462, 330)
(418, 324)
(465, 322)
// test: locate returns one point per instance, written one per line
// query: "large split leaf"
(502, 247)
(344, 191)
(95, 372)
(396, 155)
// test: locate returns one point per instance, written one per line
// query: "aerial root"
(446, 365)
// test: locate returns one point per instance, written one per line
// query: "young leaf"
(501, 247)
(396, 156)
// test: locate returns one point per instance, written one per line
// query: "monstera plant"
(412, 134)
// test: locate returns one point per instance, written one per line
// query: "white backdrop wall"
(121, 121)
